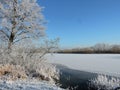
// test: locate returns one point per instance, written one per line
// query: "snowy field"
(27, 85)
(100, 63)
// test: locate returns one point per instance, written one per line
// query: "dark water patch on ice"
(74, 79)
(81, 80)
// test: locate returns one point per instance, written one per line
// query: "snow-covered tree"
(20, 19)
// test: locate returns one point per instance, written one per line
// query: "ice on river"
(105, 63)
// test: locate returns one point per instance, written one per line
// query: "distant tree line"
(98, 48)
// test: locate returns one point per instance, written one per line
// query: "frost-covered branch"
(21, 18)
(20, 39)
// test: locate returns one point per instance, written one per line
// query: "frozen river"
(100, 63)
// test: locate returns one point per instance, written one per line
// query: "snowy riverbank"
(70, 79)
(77, 72)
(27, 85)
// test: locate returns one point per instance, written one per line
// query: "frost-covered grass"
(105, 82)
(20, 61)
(27, 85)
(12, 72)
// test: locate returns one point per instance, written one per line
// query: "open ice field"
(100, 63)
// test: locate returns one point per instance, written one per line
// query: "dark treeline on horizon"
(96, 49)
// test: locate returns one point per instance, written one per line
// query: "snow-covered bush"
(104, 82)
(12, 72)
(31, 59)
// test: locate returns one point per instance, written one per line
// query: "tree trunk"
(11, 39)
(12, 35)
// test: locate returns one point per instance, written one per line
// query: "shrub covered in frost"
(104, 82)
(31, 63)
(12, 72)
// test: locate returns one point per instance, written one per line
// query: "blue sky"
(81, 23)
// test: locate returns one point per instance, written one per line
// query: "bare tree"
(100, 47)
(20, 19)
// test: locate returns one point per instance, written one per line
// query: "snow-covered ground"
(103, 63)
(27, 85)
